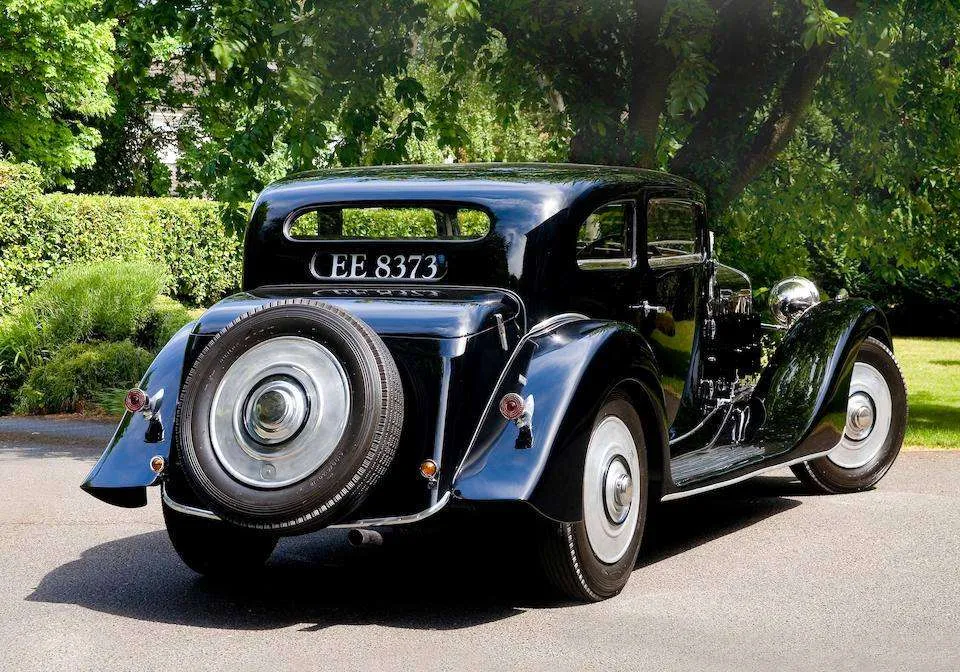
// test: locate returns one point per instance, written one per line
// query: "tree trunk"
(650, 70)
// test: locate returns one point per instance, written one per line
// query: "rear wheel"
(215, 548)
(876, 421)
(592, 560)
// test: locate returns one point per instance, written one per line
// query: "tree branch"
(778, 128)
(746, 71)
(795, 96)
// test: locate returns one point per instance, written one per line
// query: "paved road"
(761, 577)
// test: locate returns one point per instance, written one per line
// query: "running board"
(742, 477)
(712, 461)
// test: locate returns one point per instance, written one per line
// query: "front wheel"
(592, 560)
(217, 549)
(873, 434)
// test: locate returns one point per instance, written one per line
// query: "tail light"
(511, 406)
(136, 400)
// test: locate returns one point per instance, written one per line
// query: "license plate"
(362, 266)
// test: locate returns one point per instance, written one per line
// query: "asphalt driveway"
(758, 577)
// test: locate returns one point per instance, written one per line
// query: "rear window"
(444, 223)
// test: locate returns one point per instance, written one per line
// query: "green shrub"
(42, 233)
(164, 320)
(80, 375)
(108, 301)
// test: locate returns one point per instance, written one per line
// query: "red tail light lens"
(511, 406)
(136, 400)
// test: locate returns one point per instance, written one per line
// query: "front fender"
(805, 386)
(568, 372)
(123, 472)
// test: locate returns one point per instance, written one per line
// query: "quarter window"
(671, 228)
(605, 239)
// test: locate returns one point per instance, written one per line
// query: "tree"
(128, 158)
(711, 90)
(867, 193)
(762, 103)
(54, 66)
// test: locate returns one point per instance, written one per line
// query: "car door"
(671, 299)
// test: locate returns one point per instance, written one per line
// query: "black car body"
(549, 305)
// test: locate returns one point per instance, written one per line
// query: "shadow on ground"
(454, 574)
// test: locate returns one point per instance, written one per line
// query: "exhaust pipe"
(360, 537)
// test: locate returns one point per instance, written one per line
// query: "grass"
(931, 367)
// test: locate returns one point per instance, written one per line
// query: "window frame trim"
(289, 220)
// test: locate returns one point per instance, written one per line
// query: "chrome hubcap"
(279, 412)
(275, 411)
(610, 500)
(869, 415)
(618, 491)
(859, 416)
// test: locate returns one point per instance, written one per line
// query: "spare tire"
(289, 417)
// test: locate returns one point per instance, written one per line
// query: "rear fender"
(123, 472)
(568, 371)
(805, 386)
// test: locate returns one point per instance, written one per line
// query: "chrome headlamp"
(792, 297)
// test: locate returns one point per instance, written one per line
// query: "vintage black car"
(557, 338)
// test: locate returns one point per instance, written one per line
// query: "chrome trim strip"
(445, 374)
(361, 285)
(738, 479)
(550, 323)
(618, 263)
(368, 522)
(398, 520)
(539, 328)
(183, 508)
(676, 260)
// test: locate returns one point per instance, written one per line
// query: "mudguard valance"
(123, 472)
(568, 371)
(805, 385)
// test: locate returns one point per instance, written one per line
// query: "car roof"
(477, 182)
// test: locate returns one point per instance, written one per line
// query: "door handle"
(648, 309)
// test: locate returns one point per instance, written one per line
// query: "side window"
(606, 237)
(671, 228)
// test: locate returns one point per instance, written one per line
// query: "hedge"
(41, 233)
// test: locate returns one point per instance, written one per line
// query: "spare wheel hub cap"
(279, 412)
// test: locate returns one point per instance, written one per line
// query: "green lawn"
(932, 369)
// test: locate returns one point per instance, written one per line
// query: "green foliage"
(91, 305)
(81, 377)
(54, 65)
(40, 234)
(385, 223)
(80, 304)
(822, 24)
(867, 194)
(165, 318)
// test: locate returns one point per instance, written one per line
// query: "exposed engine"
(731, 344)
